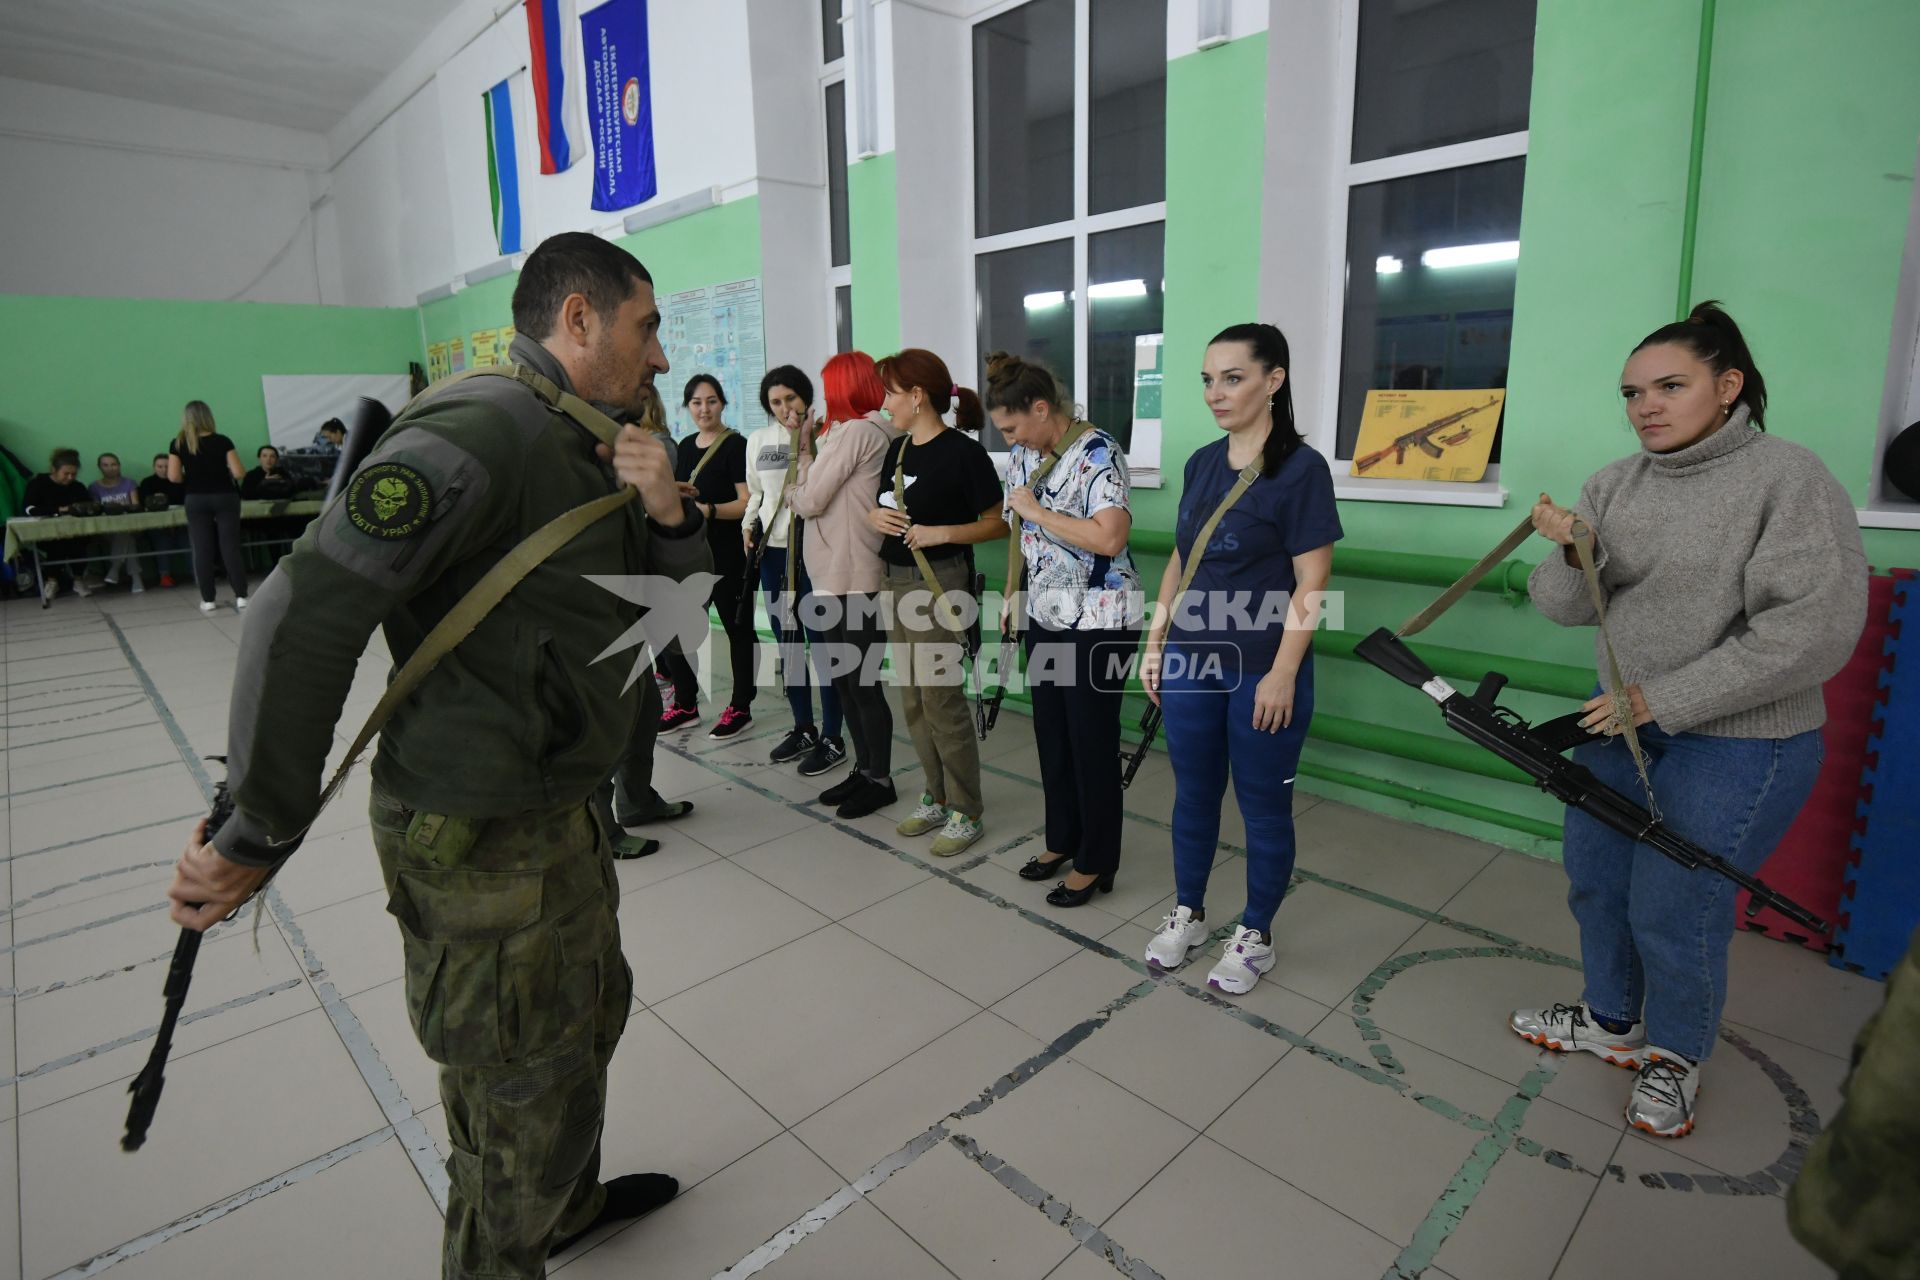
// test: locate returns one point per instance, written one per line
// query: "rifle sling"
(925, 566)
(1248, 474)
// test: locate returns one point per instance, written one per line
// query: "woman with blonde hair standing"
(206, 462)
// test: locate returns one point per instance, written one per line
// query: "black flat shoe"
(869, 797)
(1065, 897)
(671, 810)
(1038, 870)
(839, 792)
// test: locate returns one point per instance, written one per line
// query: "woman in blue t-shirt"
(1231, 667)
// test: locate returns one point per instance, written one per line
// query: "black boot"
(869, 796)
(630, 1196)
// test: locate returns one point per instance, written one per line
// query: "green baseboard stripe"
(1431, 800)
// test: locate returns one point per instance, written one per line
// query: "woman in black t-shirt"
(711, 465)
(206, 463)
(56, 493)
(939, 494)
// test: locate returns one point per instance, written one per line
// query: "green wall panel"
(873, 223)
(111, 374)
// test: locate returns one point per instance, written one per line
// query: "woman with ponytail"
(1735, 585)
(1068, 488)
(938, 495)
(1228, 657)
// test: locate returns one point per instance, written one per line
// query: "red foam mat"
(1810, 863)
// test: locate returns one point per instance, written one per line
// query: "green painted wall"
(111, 374)
(705, 248)
(873, 222)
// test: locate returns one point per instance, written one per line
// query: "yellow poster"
(438, 363)
(485, 344)
(1427, 435)
(506, 340)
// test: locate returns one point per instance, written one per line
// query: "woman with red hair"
(839, 476)
(938, 495)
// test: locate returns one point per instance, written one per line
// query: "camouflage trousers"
(516, 986)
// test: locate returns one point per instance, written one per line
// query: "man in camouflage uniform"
(498, 873)
(1856, 1204)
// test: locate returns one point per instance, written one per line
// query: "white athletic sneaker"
(1180, 936)
(1662, 1100)
(1570, 1028)
(206, 606)
(139, 587)
(49, 588)
(926, 816)
(959, 832)
(1248, 956)
(239, 604)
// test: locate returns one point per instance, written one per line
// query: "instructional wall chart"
(718, 329)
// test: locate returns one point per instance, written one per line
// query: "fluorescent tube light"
(668, 210)
(1118, 289)
(1471, 255)
(1387, 265)
(498, 267)
(1050, 298)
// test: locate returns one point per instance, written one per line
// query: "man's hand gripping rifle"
(1535, 750)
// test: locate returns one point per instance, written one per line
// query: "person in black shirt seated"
(269, 479)
(56, 493)
(157, 493)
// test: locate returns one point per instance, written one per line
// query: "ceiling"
(299, 63)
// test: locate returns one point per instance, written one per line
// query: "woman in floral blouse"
(1080, 616)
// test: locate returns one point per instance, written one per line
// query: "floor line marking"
(74, 884)
(147, 1033)
(82, 928)
(1089, 1236)
(98, 777)
(104, 835)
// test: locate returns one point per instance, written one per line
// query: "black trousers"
(856, 643)
(215, 518)
(676, 667)
(1075, 679)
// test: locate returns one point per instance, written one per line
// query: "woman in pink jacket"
(839, 476)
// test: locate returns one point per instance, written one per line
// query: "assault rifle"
(986, 707)
(1536, 751)
(750, 584)
(146, 1086)
(1422, 438)
(1132, 760)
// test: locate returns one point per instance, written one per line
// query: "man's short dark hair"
(64, 457)
(101, 461)
(792, 379)
(265, 449)
(573, 262)
(327, 428)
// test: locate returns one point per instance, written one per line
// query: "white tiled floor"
(814, 996)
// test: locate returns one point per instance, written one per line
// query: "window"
(837, 172)
(833, 40)
(839, 223)
(1432, 196)
(1069, 162)
(842, 318)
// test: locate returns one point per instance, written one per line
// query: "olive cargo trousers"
(516, 986)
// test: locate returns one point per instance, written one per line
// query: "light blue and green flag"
(503, 166)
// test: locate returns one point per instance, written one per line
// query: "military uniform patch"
(389, 500)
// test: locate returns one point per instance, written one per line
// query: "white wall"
(107, 197)
(411, 183)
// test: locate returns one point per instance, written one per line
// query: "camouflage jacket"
(1856, 1204)
(519, 716)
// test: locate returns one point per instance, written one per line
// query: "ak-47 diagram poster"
(718, 329)
(1427, 435)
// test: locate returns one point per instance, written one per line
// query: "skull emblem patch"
(389, 500)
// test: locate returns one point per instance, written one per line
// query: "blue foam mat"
(1880, 908)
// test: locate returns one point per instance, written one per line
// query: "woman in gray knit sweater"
(1735, 586)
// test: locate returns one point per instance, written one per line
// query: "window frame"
(1082, 226)
(1323, 434)
(831, 73)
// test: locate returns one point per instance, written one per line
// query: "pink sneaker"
(732, 721)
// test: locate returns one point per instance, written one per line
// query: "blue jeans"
(793, 651)
(1653, 934)
(1209, 727)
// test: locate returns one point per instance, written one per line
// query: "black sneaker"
(839, 792)
(868, 797)
(827, 755)
(797, 743)
(732, 721)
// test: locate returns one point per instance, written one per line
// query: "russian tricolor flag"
(550, 42)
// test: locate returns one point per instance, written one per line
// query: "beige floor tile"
(1090, 922)
(884, 1114)
(686, 929)
(973, 1225)
(670, 1110)
(1211, 1213)
(715, 1224)
(728, 818)
(209, 1140)
(802, 1025)
(1633, 1229)
(1394, 1157)
(382, 1012)
(60, 1026)
(830, 873)
(1417, 865)
(1067, 994)
(860, 1242)
(978, 949)
(328, 870)
(95, 869)
(1080, 1137)
(1326, 941)
(678, 852)
(69, 943)
(1523, 898)
(1425, 1072)
(1149, 1048)
(369, 1216)
(1526, 1212)
(1271, 998)
(10, 1198)
(105, 805)
(1791, 992)
(356, 942)
(54, 763)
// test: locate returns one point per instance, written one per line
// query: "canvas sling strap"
(953, 620)
(726, 434)
(1016, 559)
(1615, 683)
(1248, 474)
